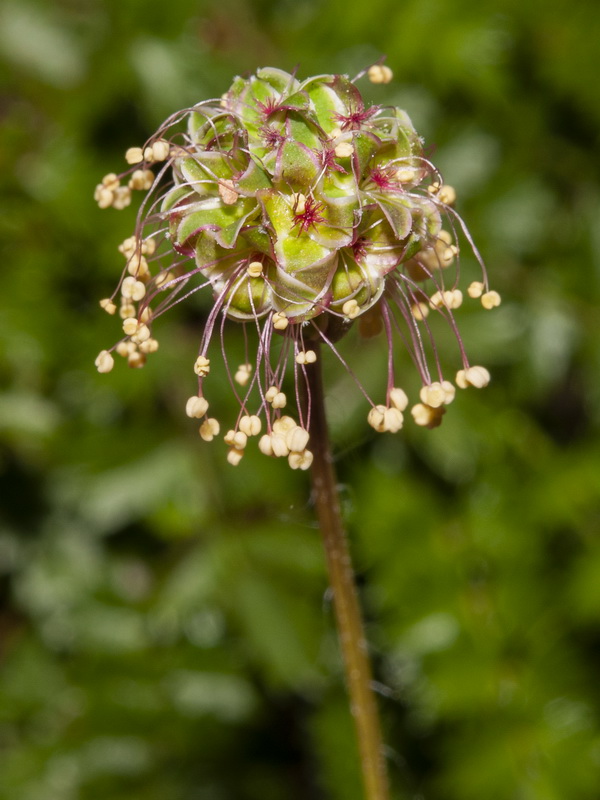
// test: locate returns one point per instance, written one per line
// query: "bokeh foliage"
(165, 631)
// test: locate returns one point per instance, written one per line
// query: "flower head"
(302, 211)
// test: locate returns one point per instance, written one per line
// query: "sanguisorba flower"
(302, 210)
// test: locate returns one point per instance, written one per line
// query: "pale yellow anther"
(148, 246)
(426, 416)
(490, 300)
(335, 133)
(111, 181)
(126, 309)
(280, 321)
(311, 356)
(104, 361)
(255, 269)
(477, 376)
(279, 401)
(108, 305)
(420, 311)
(122, 197)
(141, 180)
(250, 425)
(297, 439)
(407, 174)
(137, 265)
(270, 393)
(398, 399)
(142, 334)
(162, 278)
(453, 298)
(447, 195)
(145, 314)
(243, 374)
(136, 360)
(264, 445)
(227, 192)
(278, 445)
(202, 366)
(126, 348)
(148, 154)
(103, 196)
(132, 289)
(301, 460)
(449, 392)
(301, 357)
(284, 424)
(128, 246)
(160, 150)
(475, 289)
(237, 439)
(234, 456)
(196, 407)
(133, 155)
(149, 346)
(209, 429)
(436, 300)
(351, 309)
(376, 418)
(344, 149)
(380, 73)
(393, 420)
(130, 326)
(433, 395)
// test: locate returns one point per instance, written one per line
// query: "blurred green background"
(165, 630)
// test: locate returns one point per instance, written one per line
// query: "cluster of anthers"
(303, 211)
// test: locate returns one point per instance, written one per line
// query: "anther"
(398, 399)
(297, 439)
(122, 197)
(160, 150)
(280, 321)
(234, 456)
(243, 374)
(426, 416)
(420, 311)
(133, 155)
(433, 395)
(344, 149)
(196, 407)
(255, 269)
(279, 401)
(130, 326)
(301, 460)
(104, 362)
(136, 360)
(351, 309)
(250, 425)
(264, 445)
(490, 300)
(475, 289)
(108, 305)
(380, 73)
(209, 429)
(270, 393)
(478, 377)
(202, 366)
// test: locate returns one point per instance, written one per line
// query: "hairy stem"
(347, 609)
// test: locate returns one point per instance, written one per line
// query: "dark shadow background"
(165, 633)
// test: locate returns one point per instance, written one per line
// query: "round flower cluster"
(303, 210)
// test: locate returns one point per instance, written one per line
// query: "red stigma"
(310, 217)
(355, 118)
(269, 107)
(384, 178)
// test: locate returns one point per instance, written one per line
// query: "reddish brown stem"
(345, 598)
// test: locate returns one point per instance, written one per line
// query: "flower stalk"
(345, 597)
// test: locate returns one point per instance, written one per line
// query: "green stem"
(347, 609)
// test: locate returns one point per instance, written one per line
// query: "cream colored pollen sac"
(234, 456)
(280, 321)
(142, 334)
(284, 424)
(243, 374)
(270, 393)
(344, 149)
(426, 416)
(130, 326)
(476, 376)
(122, 197)
(237, 439)
(299, 203)
(351, 309)
(490, 300)
(475, 289)
(301, 460)
(297, 439)
(196, 407)
(104, 361)
(279, 401)
(136, 360)
(133, 155)
(133, 289)
(160, 150)
(264, 445)
(420, 311)
(108, 305)
(202, 366)
(278, 445)
(255, 269)
(380, 73)
(209, 429)
(250, 425)
(306, 357)
(398, 399)
(433, 395)
(376, 418)
(149, 346)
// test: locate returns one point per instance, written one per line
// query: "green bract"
(301, 177)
